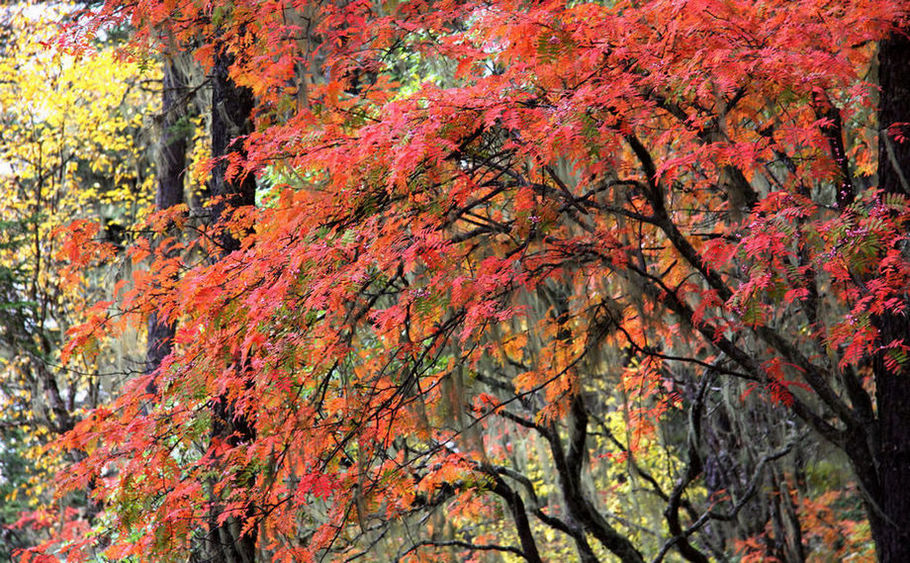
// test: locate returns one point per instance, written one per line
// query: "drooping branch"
(813, 375)
(748, 362)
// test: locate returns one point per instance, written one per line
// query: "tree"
(653, 196)
(169, 192)
(70, 150)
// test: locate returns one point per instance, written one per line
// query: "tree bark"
(894, 113)
(232, 108)
(168, 193)
(887, 483)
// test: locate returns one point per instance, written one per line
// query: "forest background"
(446, 281)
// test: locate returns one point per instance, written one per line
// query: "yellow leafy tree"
(72, 156)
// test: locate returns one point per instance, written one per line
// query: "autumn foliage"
(498, 250)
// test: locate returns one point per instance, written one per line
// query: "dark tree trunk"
(894, 114)
(232, 108)
(888, 482)
(169, 192)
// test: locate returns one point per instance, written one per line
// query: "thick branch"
(568, 468)
(519, 515)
